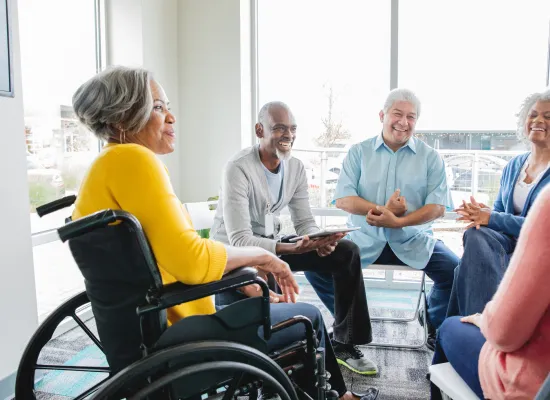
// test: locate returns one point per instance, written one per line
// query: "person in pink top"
(504, 352)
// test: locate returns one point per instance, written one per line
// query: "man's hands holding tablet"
(323, 242)
(323, 245)
(324, 234)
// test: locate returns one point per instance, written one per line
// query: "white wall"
(123, 20)
(18, 314)
(144, 33)
(200, 52)
(214, 91)
(160, 55)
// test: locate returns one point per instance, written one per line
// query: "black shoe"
(432, 333)
(370, 394)
(430, 342)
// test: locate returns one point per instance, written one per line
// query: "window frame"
(50, 235)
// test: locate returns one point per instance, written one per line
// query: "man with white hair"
(393, 186)
(258, 182)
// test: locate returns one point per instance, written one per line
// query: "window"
(329, 61)
(58, 53)
(471, 63)
(471, 71)
(324, 57)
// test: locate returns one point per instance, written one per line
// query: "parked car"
(45, 184)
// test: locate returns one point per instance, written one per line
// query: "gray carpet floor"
(401, 372)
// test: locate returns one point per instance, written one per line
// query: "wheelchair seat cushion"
(238, 322)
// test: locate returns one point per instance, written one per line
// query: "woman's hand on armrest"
(266, 262)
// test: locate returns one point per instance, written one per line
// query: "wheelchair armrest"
(178, 293)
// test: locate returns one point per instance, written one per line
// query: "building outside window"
(59, 52)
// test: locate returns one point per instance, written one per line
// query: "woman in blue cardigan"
(491, 238)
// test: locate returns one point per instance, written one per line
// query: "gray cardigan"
(243, 202)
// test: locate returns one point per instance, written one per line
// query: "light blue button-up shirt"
(373, 171)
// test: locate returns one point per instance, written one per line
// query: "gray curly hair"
(402, 94)
(526, 106)
(116, 100)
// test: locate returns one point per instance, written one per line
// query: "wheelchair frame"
(159, 298)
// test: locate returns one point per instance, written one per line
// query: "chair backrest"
(117, 280)
(201, 215)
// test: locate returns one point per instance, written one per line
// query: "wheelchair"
(202, 356)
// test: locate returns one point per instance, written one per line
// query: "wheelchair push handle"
(55, 205)
(87, 224)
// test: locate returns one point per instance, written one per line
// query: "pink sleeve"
(523, 295)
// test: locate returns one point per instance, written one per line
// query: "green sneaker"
(352, 358)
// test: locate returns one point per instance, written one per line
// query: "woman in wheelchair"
(129, 110)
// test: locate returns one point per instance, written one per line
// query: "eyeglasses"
(279, 128)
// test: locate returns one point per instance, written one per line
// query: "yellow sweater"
(130, 177)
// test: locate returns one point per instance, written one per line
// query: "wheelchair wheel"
(29, 365)
(191, 371)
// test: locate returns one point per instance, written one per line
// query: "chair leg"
(421, 297)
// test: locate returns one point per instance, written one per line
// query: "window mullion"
(394, 44)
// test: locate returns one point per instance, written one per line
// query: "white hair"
(526, 106)
(402, 95)
(283, 156)
(116, 100)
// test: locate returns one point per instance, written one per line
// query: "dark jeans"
(460, 344)
(283, 311)
(347, 300)
(440, 269)
(485, 259)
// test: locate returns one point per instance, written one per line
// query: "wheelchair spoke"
(229, 366)
(54, 367)
(88, 331)
(235, 383)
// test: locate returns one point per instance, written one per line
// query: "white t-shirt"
(522, 189)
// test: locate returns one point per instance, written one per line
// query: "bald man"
(260, 181)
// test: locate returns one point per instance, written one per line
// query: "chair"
(452, 386)
(201, 215)
(450, 383)
(421, 298)
(335, 212)
(197, 356)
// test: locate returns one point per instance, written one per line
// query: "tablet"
(326, 232)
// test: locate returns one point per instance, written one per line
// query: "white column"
(160, 55)
(214, 91)
(18, 312)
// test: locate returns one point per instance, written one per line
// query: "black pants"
(351, 312)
